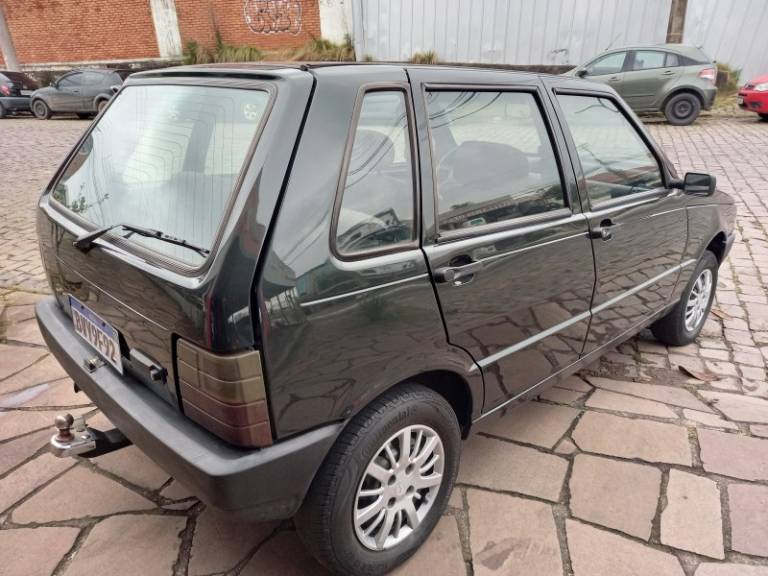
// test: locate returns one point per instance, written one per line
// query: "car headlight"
(763, 87)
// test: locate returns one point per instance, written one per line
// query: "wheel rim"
(698, 300)
(398, 487)
(39, 109)
(683, 108)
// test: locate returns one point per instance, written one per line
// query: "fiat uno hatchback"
(297, 288)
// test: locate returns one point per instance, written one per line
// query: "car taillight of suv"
(225, 394)
(5, 90)
(708, 74)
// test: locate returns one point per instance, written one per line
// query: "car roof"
(684, 49)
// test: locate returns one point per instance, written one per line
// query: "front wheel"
(2, 111)
(41, 110)
(683, 323)
(682, 109)
(384, 485)
(763, 117)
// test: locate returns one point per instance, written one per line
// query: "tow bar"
(83, 441)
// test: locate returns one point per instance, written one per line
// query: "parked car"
(675, 79)
(753, 96)
(15, 88)
(298, 288)
(83, 92)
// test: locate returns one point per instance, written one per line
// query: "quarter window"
(610, 64)
(377, 204)
(648, 59)
(493, 158)
(615, 160)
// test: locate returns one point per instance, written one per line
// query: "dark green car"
(675, 79)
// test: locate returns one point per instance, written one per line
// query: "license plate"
(97, 332)
(26, 92)
(739, 100)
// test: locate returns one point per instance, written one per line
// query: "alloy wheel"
(399, 487)
(698, 300)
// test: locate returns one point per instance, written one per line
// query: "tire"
(682, 109)
(673, 329)
(763, 117)
(41, 110)
(84, 115)
(2, 111)
(326, 523)
(100, 105)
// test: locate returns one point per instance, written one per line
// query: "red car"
(754, 96)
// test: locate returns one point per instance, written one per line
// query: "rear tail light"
(225, 394)
(708, 74)
(4, 90)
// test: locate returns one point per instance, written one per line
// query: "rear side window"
(648, 59)
(615, 160)
(672, 60)
(610, 64)
(71, 80)
(164, 157)
(377, 202)
(493, 158)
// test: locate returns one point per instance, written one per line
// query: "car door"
(504, 236)
(608, 69)
(94, 83)
(638, 223)
(648, 71)
(68, 96)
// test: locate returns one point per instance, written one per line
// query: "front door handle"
(457, 275)
(603, 232)
(668, 73)
(614, 79)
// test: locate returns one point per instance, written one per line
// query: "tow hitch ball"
(75, 438)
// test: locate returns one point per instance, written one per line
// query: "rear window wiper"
(84, 242)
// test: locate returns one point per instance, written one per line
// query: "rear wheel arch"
(456, 391)
(717, 246)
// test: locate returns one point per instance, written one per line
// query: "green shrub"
(429, 57)
(195, 53)
(322, 50)
(727, 78)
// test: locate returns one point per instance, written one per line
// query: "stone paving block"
(734, 455)
(28, 477)
(749, 518)
(440, 554)
(133, 465)
(26, 332)
(283, 555)
(632, 438)
(565, 447)
(501, 465)
(78, 494)
(221, 542)
(17, 422)
(608, 400)
(692, 519)
(57, 393)
(619, 495)
(719, 569)
(738, 407)
(512, 535)
(561, 395)
(46, 370)
(534, 423)
(130, 544)
(759, 430)
(671, 395)
(708, 419)
(35, 551)
(16, 358)
(575, 383)
(16, 451)
(176, 491)
(596, 552)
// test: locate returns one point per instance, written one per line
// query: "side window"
(71, 80)
(377, 203)
(671, 60)
(648, 59)
(493, 158)
(614, 158)
(94, 78)
(610, 64)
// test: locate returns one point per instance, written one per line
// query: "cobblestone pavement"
(652, 462)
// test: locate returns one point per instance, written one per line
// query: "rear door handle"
(603, 232)
(668, 73)
(457, 275)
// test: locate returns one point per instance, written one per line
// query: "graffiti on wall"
(273, 16)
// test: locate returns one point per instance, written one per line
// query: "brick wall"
(63, 31)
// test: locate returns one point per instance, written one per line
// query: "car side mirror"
(697, 184)
(581, 73)
(114, 88)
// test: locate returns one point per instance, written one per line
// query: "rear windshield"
(167, 158)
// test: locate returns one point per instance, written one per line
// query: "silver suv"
(675, 79)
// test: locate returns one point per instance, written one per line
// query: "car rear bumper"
(709, 97)
(15, 103)
(264, 484)
(754, 101)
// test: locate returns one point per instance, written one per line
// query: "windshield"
(164, 157)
